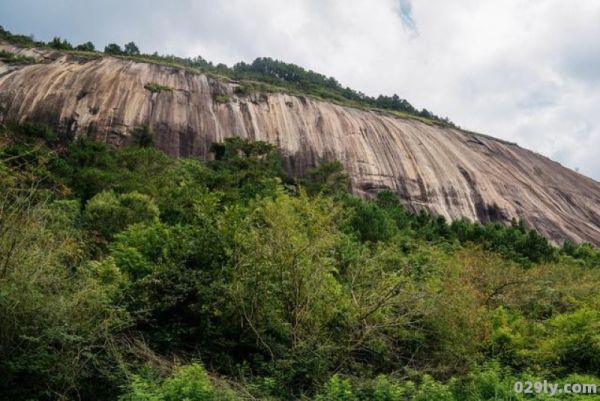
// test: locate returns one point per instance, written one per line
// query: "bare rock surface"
(447, 171)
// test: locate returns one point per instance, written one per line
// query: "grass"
(157, 88)
(222, 99)
(247, 87)
(12, 58)
(251, 86)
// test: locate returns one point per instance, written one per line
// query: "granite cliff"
(444, 170)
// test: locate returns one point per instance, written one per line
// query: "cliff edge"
(447, 171)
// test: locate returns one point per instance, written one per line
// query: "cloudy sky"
(524, 70)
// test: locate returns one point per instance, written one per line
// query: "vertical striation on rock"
(446, 171)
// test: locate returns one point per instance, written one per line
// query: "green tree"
(246, 169)
(131, 49)
(143, 136)
(87, 46)
(371, 222)
(328, 178)
(573, 344)
(108, 213)
(189, 383)
(113, 48)
(60, 44)
(57, 318)
(284, 284)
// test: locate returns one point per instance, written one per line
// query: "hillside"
(444, 170)
(129, 275)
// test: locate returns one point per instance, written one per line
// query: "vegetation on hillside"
(12, 58)
(263, 74)
(128, 275)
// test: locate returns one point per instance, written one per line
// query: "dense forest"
(129, 275)
(263, 74)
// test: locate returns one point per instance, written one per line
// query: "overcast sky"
(524, 70)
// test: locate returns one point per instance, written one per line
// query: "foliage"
(12, 58)
(143, 136)
(157, 88)
(574, 341)
(263, 74)
(60, 44)
(245, 169)
(131, 49)
(22, 40)
(36, 130)
(108, 213)
(113, 49)
(222, 99)
(56, 317)
(280, 73)
(86, 47)
(327, 178)
(190, 383)
(125, 274)
(96, 167)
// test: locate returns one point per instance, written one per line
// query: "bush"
(113, 48)
(383, 389)
(60, 44)
(189, 383)
(56, 319)
(328, 178)
(573, 342)
(131, 49)
(86, 47)
(37, 130)
(273, 287)
(242, 90)
(337, 389)
(12, 58)
(222, 99)
(371, 222)
(108, 213)
(431, 390)
(143, 136)
(157, 88)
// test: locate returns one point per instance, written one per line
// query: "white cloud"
(524, 70)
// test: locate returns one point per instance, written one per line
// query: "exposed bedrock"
(446, 171)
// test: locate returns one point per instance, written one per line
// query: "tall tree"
(131, 49)
(113, 48)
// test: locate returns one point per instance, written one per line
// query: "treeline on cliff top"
(274, 74)
(129, 275)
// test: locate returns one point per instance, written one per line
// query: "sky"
(527, 71)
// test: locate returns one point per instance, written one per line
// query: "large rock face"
(447, 171)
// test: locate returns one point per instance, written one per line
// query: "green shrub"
(383, 389)
(221, 99)
(157, 88)
(12, 58)
(371, 222)
(273, 287)
(573, 342)
(242, 90)
(60, 44)
(186, 383)
(143, 136)
(131, 49)
(113, 48)
(86, 47)
(56, 319)
(37, 130)
(431, 390)
(108, 213)
(337, 389)
(328, 178)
